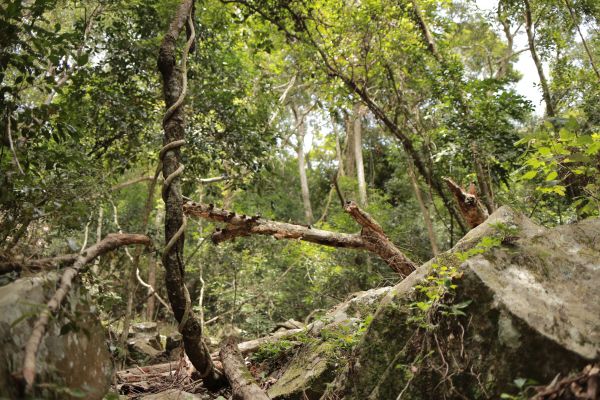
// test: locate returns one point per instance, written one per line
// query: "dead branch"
(371, 237)
(132, 182)
(37, 264)
(244, 387)
(469, 205)
(150, 178)
(110, 242)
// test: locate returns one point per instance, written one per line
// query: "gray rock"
(534, 313)
(78, 361)
(314, 366)
(147, 328)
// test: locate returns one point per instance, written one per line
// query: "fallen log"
(252, 345)
(371, 237)
(240, 379)
(110, 242)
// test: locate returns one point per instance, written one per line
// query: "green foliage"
(565, 163)
(438, 288)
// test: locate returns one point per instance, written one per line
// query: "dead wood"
(584, 385)
(371, 237)
(110, 242)
(241, 381)
(17, 264)
(469, 205)
(252, 345)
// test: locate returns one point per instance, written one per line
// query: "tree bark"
(471, 208)
(174, 82)
(550, 109)
(243, 385)
(300, 135)
(110, 242)
(358, 155)
(349, 146)
(371, 237)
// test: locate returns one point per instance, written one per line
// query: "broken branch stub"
(471, 208)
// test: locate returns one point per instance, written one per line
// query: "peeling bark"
(471, 208)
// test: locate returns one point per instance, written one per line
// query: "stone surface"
(534, 312)
(77, 360)
(172, 394)
(315, 363)
(149, 328)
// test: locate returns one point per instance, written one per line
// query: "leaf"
(529, 175)
(552, 176)
(463, 304)
(520, 382)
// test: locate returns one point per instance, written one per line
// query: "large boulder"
(73, 359)
(526, 306)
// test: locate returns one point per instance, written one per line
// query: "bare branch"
(109, 243)
(371, 237)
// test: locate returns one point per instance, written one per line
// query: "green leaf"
(529, 175)
(552, 176)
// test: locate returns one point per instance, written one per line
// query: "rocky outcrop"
(529, 308)
(518, 302)
(144, 343)
(73, 356)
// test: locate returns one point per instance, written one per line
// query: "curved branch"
(109, 243)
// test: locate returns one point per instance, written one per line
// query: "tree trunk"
(583, 41)
(300, 135)
(349, 146)
(243, 385)
(358, 155)
(174, 87)
(338, 150)
(152, 277)
(485, 185)
(424, 210)
(550, 109)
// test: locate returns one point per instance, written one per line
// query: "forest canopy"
(222, 128)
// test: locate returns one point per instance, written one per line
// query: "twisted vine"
(169, 179)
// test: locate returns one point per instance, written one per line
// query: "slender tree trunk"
(338, 149)
(485, 186)
(174, 86)
(583, 41)
(358, 155)
(424, 210)
(150, 305)
(300, 135)
(98, 238)
(550, 109)
(349, 148)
